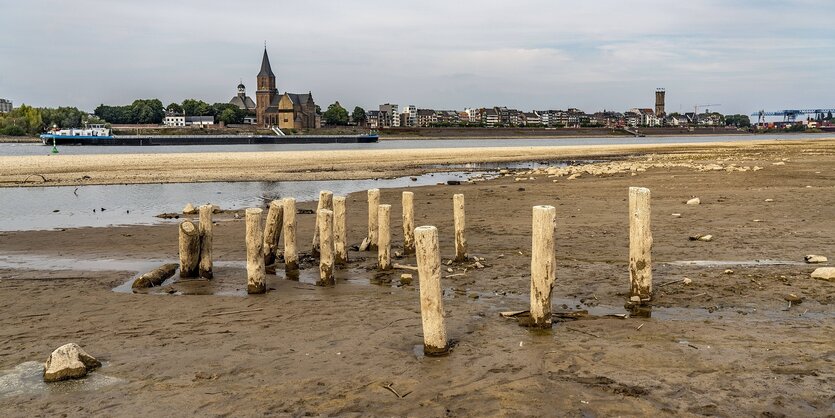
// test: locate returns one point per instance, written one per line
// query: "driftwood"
(206, 232)
(155, 277)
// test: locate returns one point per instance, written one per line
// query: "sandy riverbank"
(725, 345)
(302, 165)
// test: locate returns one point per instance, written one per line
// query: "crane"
(790, 115)
(696, 111)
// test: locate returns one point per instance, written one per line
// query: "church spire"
(266, 70)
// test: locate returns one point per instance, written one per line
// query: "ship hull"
(151, 140)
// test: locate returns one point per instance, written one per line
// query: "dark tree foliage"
(142, 111)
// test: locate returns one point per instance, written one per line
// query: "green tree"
(318, 110)
(193, 107)
(358, 115)
(336, 115)
(174, 108)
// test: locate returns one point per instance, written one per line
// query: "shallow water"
(27, 379)
(38, 149)
(43, 208)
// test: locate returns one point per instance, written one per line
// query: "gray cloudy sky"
(528, 54)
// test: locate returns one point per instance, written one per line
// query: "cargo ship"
(100, 135)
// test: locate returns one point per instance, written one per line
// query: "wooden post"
(384, 237)
(272, 231)
(408, 223)
(543, 264)
(324, 220)
(206, 232)
(640, 244)
(325, 202)
(291, 257)
(428, 252)
(256, 275)
(155, 277)
(460, 226)
(340, 229)
(373, 204)
(189, 249)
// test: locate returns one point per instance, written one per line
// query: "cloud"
(527, 54)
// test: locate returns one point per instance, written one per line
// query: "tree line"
(151, 111)
(28, 120)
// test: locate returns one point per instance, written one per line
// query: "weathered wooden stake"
(640, 243)
(460, 226)
(155, 277)
(189, 249)
(428, 253)
(291, 257)
(272, 231)
(384, 237)
(373, 204)
(543, 263)
(256, 275)
(408, 223)
(325, 202)
(206, 232)
(324, 220)
(340, 238)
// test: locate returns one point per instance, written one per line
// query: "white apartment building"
(410, 115)
(5, 106)
(392, 115)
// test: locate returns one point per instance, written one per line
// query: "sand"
(724, 345)
(59, 169)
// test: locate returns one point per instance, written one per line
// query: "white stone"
(694, 201)
(824, 273)
(706, 238)
(815, 259)
(676, 215)
(189, 209)
(574, 176)
(68, 361)
(687, 280)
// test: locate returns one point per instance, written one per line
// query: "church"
(286, 111)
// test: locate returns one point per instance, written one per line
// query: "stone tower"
(265, 92)
(659, 102)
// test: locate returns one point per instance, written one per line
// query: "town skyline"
(745, 56)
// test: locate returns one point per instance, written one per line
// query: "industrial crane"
(696, 111)
(790, 115)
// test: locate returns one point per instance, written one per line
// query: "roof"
(243, 103)
(200, 118)
(294, 97)
(266, 70)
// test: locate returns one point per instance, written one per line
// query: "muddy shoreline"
(727, 344)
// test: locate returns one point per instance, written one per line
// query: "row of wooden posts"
(329, 242)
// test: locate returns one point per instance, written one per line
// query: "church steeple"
(266, 91)
(266, 70)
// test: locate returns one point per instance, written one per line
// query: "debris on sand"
(703, 238)
(694, 201)
(68, 361)
(824, 273)
(815, 259)
(189, 209)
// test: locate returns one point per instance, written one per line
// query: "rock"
(794, 299)
(694, 201)
(449, 270)
(413, 178)
(824, 273)
(815, 259)
(729, 271)
(405, 279)
(676, 215)
(687, 280)
(364, 245)
(778, 163)
(769, 200)
(574, 176)
(453, 183)
(635, 299)
(189, 209)
(478, 265)
(68, 361)
(705, 238)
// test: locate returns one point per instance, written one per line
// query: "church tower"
(266, 91)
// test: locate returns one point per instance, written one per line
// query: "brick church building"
(286, 111)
